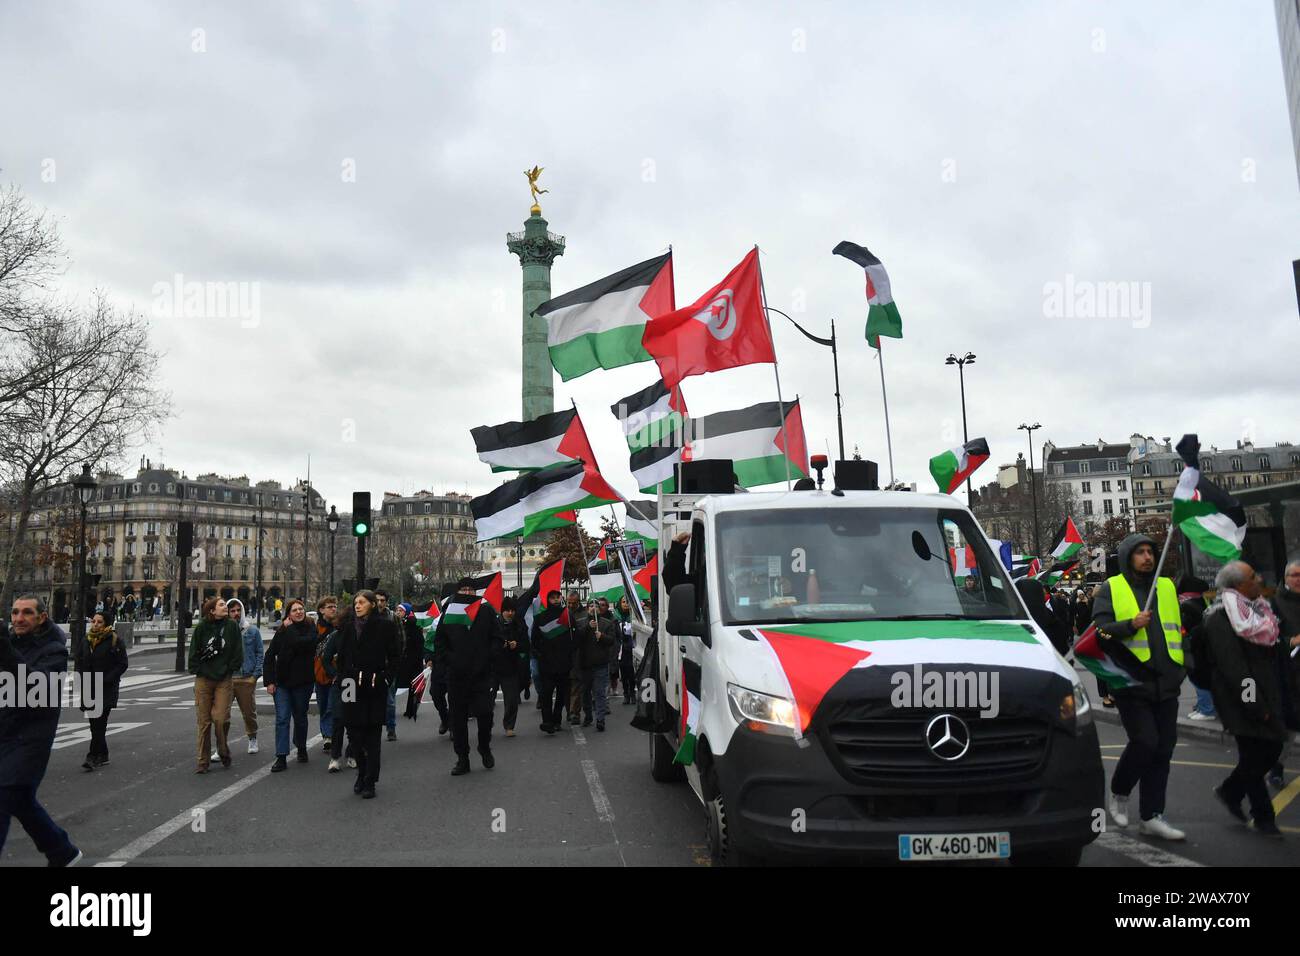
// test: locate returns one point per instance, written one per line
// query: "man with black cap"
(510, 646)
(466, 644)
(1150, 642)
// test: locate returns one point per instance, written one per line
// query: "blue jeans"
(391, 720)
(1204, 702)
(48, 836)
(291, 701)
(595, 690)
(325, 707)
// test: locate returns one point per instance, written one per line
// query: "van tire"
(1061, 856)
(723, 850)
(662, 768)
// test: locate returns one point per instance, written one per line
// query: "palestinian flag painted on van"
(489, 588)
(1212, 519)
(600, 325)
(539, 501)
(461, 609)
(654, 416)
(952, 467)
(1067, 541)
(689, 728)
(752, 438)
(527, 446)
(1097, 658)
(882, 314)
(642, 523)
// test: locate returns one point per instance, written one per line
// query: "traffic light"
(360, 514)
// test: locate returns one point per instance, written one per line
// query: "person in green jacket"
(216, 655)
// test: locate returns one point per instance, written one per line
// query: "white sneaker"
(1197, 715)
(334, 765)
(215, 755)
(1119, 810)
(352, 763)
(1157, 827)
(252, 745)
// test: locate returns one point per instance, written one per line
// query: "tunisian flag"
(724, 328)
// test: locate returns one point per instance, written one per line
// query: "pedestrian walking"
(290, 676)
(1148, 710)
(599, 642)
(1191, 605)
(626, 647)
(553, 651)
(437, 674)
(510, 647)
(101, 660)
(386, 613)
(36, 644)
(1286, 607)
(244, 683)
(1241, 633)
(369, 654)
(467, 641)
(326, 665)
(216, 656)
(579, 626)
(412, 657)
(327, 610)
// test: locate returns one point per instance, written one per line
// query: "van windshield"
(858, 564)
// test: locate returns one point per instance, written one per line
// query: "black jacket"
(367, 663)
(580, 628)
(466, 652)
(290, 660)
(107, 658)
(554, 654)
(27, 733)
(1161, 679)
(1286, 605)
(599, 641)
(505, 662)
(412, 651)
(1057, 631)
(1237, 661)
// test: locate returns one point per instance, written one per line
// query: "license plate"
(954, 846)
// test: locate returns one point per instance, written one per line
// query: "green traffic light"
(360, 528)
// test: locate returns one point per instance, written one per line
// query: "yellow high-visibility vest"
(1171, 619)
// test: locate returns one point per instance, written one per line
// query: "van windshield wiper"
(933, 617)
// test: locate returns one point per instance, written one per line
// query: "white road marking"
(183, 819)
(1144, 853)
(599, 799)
(80, 733)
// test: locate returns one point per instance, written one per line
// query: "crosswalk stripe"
(1144, 853)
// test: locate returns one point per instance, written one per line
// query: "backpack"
(319, 668)
(1196, 656)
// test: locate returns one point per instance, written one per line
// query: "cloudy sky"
(359, 164)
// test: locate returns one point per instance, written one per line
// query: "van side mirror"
(681, 612)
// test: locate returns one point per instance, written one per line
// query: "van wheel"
(1063, 856)
(722, 849)
(662, 768)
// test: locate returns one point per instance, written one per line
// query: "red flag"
(724, 328)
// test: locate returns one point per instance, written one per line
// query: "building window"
(1121, 485)
(1105, 487)
(428, 508)
(1083, 468)
(150, 548)
(1112, 465)
(130, 529)
(1263, 463)
(1058, 469)
(151, 527)
(244, 533)
(1146, 469)
(1207, 465)
(1137, 486)
(243, 553)
(135, 488)
(1160, 487)
(1236, 464)
(1087, 507)
(1245, 481)
(225, 496)
(1086, 487)
(1107, 507)
(1295, 458)
(130, 549)
(171, 487)
(230, 550)
(153, 487)
(1123, 506)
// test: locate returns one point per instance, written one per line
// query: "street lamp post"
(257, 574)
(332, 522)
(1033, 490)
(961, 363)
(85, 485)
(519, 553)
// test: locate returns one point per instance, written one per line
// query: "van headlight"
(763, 713)
(1076, 709)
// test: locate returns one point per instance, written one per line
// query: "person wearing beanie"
(244, 683)
(1149, 644)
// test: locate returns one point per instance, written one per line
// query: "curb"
(1208, 732)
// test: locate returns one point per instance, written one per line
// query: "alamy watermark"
(945, 690)
(179, 299)
(37, 690)
(1088, 299)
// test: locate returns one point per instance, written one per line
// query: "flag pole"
(839, 404)
(1173, 528)
(889, 441)
(776, 368)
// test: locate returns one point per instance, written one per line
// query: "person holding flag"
(1149, 639)
(552, 641)
(465, 645)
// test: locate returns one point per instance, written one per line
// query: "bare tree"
(85, 415)
(31, 257)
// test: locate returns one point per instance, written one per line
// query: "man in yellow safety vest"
(1150, 642)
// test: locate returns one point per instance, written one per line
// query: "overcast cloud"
(980, 151)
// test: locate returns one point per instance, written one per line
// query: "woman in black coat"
(101, 653)
(369, 658)
(412, 657)
(1056, 629)
(288, 671)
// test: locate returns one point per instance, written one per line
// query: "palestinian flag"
(549, 577)
(724, 328)
(602, 556)
(527, 446)
(539, 500)
(601, 324)
(1057, 571)
(955, 465)
(642, 523)
(1097, 657)
(654, 469)
(653, 417)
(461, 609)
(689, 727)
(812, 664)
(1212, 519)
(489, 588)
(553, 622)
(643, 577)
(882, 316)
(428, 621)
(752, 438)
(608, 586)
(1024, 565)
(963, 562)
(1068, 542)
